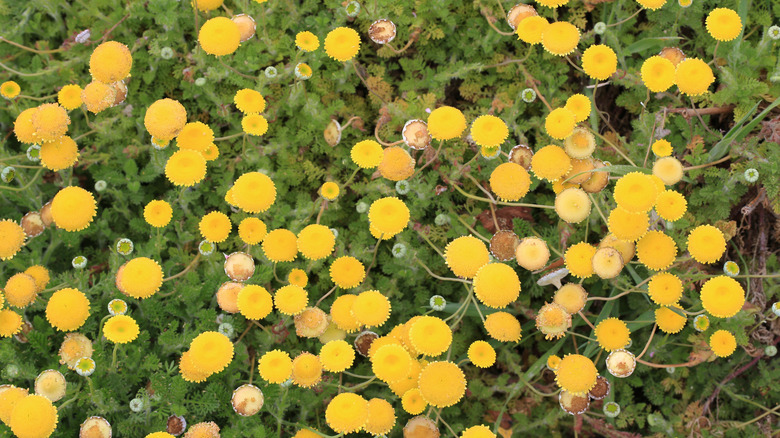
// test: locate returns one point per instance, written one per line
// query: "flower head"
(560, 38)
(10, 89)
(342, 44)
(693, 76)
(706, 244)
(503, 326)
(722, 296)
(12, 239)
(347, 413)
(254, 124)
(489, 131)
(249, 101)
(165, 118)
(307, 41)
(658, 74)
(67, 309)
(751, 175)
(723, 343)
(723, 24)
(599, 61)
(442, 384)
(389, 216)
(158, 213)
(219, 36)
(446, 123)
(576, 374)
(275, 366)
(110, 62)
(140, 277)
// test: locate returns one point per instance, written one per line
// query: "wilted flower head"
(124, 246)
(437, 302)
(79, 262)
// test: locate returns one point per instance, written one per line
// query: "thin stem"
(359, 376)
(325, 296)
(354, 67)
(39, 99)
(430, 243)
(420, 262)
(473, 231)
(30, 49)
(625, 19)
(351, 177)
(23, 74)
(236, 71)
(230, 136)
(186, 269)
(513, 204)
(655, 326)
(532, 81)
(586, 320)
(113, 358)
(596, 204)
(701, 166)
(673, 365)
(612, 145)
(435, 156)
(476, 305)
(26, 186)
(373, 258)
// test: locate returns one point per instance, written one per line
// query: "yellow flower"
(670, 205)
(347, 412)
(465, 255)
(67, 309)
(430, 335)
(50, 121)
(336, 356)
(110, 62)
(215, 226)
(599, 62)
(98, 96)
(165, 118)
(560, 38)
(254, 302)
(20, 290)
(396, 164)
(371, 308)
(189, 370)
(626, 225)
(306, 370)
(11, 239)
(723, 343)
(722, 296)
(211, 352)
(316, 241)
(140, 277)
(275, 366)
(329, 190)
(489, 131)
(503, 326)
(446, 123)
(10, 89)
(510, 181)
(635, 192)
(482, 354)
(413, 402)
(442, 384)
(10, 323)
(612, 334)
(651, 4)
(657, 74)
(388, 215)
(551, 162)
(120, 329)
(207, 5)
(656, 250)
(291, 299)
(381, 417)
(219, 36)
(158, 213)
(391, 363)
(723, 24)
(307, 41)
(578, 259)
(59, 154)
(23, 127)
(481, 431)
(73, 208)
(249, 101)
(252, 230)
(254, 124)
(607, 262)
(280, 245)
(662, 148)
(668, 169)
(572, 205)
(312, 322)
(341, 313)
(665, 288)
(553, 320)
(74, 347)
(576, 374)
(367, 154)
(195, 135)
(496, 285)
(342, 44)
(579, 104)
(572, 297)
(33, 417)
(39, 274)
(693, 77)
(668, 320)
(254, 192)
(706, 244)
(530, 29)
(560, 123)
(347, 272)
(185, 168)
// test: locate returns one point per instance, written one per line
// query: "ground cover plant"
(414, 218)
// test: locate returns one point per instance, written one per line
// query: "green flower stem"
(512, 204)
(113, 358)
(420, 262)
(26, 186)
(473, 231)
(425, 238)
(351, 177)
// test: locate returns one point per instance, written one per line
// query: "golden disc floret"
(396, 164)
(254, 192)
(503, 326)
(388, 215)
(446, 123)
(219, 36)
(291, 299)
(336, 356)
(599, 61)
(371, 308)
(579, 259)
(668, 320)
(306, 370)
(635, 192)
(120, 329)
(430, 336)
(723, 24)
(658, 74)
(489, 131)
(722, 296)
(572, 297)
(347, 412)
(67, 309)
(442, 384)
(59, 154)
(656, 250)
(165, 118)
(551, 162)
(367, 154)
(316, 241)
(723, 343)
(530, 29)
(560, 123)
(670, 205)
(275, 366)
(73, 208)
(465, 255)
(347, 272)
(573, 205)
(110, 62)
(693, 76)
(280, 245)
(496, 285)
(553, 320)
(560, 38)
(665, 288)
(342, 43)
(706, 244)
(11, 239)
(391, 363)
(612, 334)
(576, 374)
(140, 277)
(211, 352)
(50, 122)
(510, 181)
